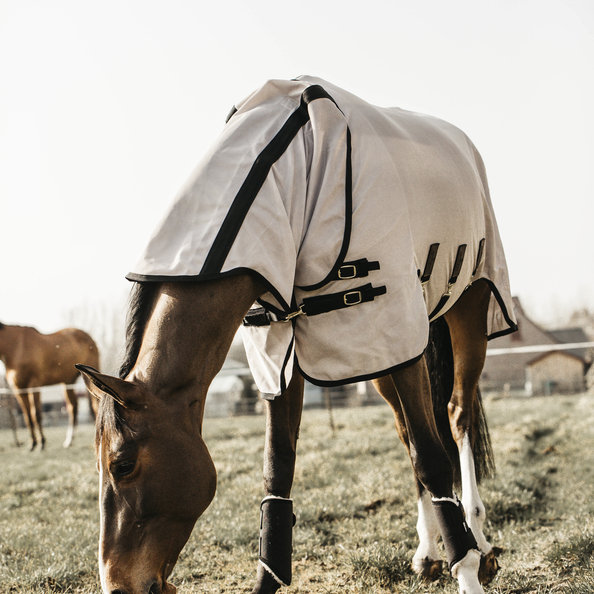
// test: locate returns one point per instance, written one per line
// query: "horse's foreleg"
(468, 332)
(433, 470)
(35, 408)
(71, 400)
(23, 400)
(277, 519)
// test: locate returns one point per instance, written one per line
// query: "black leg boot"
(276, 544)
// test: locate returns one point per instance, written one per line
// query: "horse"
(33, 360)
(308, 190)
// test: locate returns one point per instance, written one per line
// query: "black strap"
(313, 306)
(429, 263)
(479, 256)
(457, 264)
(453, 278)
(255, 179)
(259, 316)
(356, 269)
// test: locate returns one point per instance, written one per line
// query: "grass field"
(354, 501)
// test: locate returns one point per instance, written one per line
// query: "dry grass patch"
(354, 501)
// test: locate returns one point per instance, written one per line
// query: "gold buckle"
(343, 275)
(358, 297)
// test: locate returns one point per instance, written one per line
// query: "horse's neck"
(189, 333)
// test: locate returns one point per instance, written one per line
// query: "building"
(530, 372)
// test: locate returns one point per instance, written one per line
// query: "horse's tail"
(440, 362)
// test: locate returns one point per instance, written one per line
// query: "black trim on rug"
(255, 179)
(359, 378)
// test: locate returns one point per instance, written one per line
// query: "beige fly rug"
(363, 223)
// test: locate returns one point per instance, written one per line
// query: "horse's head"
(156, 479)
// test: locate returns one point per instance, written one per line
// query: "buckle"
(347, 272)
(352, 298)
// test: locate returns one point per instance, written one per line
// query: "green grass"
(354, 501)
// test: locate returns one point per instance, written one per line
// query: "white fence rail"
(540, 348)
(25, 390)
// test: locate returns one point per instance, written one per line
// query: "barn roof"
(570, 354)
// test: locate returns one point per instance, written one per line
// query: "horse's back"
(352, 183)
(80, 344)
(48, 359)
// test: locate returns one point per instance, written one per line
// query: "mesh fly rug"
(363, 223)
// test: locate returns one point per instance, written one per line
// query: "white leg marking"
(428, 531)
(69, 436)
(466, 572)
(471, 501)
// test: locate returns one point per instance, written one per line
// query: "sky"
(106, 108)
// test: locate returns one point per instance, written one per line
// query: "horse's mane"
(110, 420)
(140, 306)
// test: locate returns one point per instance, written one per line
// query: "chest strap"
(313, 306)
(453, 278)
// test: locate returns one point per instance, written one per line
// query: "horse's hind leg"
(413, 409)
(71, 399)
(467, 322)
(277, 519)
(427, 559)
(12, 419)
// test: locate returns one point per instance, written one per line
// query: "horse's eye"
(123, 468)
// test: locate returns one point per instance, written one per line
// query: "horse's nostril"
(155, 588)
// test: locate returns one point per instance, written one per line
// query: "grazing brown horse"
(33, 360)
(307, 165)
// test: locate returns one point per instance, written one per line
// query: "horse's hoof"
(266, 584)
(32, 446)
(489, 567)
(429, 569)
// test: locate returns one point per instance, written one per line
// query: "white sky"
(106, 107)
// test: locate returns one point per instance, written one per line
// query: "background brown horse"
(33, 360)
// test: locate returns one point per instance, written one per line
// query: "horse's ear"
(127, 394)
